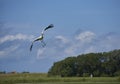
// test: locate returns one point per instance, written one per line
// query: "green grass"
(74, 83)
(44, 79)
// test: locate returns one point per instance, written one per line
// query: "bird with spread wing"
(40, 38)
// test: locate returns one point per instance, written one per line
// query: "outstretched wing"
(50, 26)
(37, 39)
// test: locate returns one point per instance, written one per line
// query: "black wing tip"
(31, 47)
(51, 25)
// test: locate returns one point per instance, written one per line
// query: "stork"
(41, 37)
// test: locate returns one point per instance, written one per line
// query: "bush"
(2, 72)
(104, 75)
(86, 74)
(117, 73)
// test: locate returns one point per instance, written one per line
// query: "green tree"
(98, 64)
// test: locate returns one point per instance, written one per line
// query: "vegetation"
(105, 68)
(40, 78)
(106, 64)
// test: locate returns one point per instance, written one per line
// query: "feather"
(50, 26)
(31, 47)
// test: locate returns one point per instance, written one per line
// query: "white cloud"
(16, 37)
(54, 49)
(86, 36)
(87, 42)
(103, 43)
(8, 50)
(110, 42)
(40, 53)
(63, 47)
(62, 38)
(71, 46)
(80, 43)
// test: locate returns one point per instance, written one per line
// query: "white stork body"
(41, 37)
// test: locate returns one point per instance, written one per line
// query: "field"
(36, 78)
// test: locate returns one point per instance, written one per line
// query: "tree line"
(104, 64)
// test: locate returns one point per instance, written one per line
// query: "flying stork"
(40, 38)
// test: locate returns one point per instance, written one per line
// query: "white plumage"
(40, 38)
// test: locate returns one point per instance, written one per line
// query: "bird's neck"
(42, 35)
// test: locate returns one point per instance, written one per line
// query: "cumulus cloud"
(86, 36)
(40, 53)
(103, 43)
(62, 39)
(85, 42)
(10, 43)
(109, 41)
(54, 48)
(8, 50)
(16, 37)
(80, 43)
(62, 46)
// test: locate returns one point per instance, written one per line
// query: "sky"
(80, 27)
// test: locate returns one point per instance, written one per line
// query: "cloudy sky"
(80, 26)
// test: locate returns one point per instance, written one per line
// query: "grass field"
(75, 83)
(44, 79)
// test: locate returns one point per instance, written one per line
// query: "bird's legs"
(43, 43)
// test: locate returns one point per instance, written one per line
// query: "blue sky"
(80, 26)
